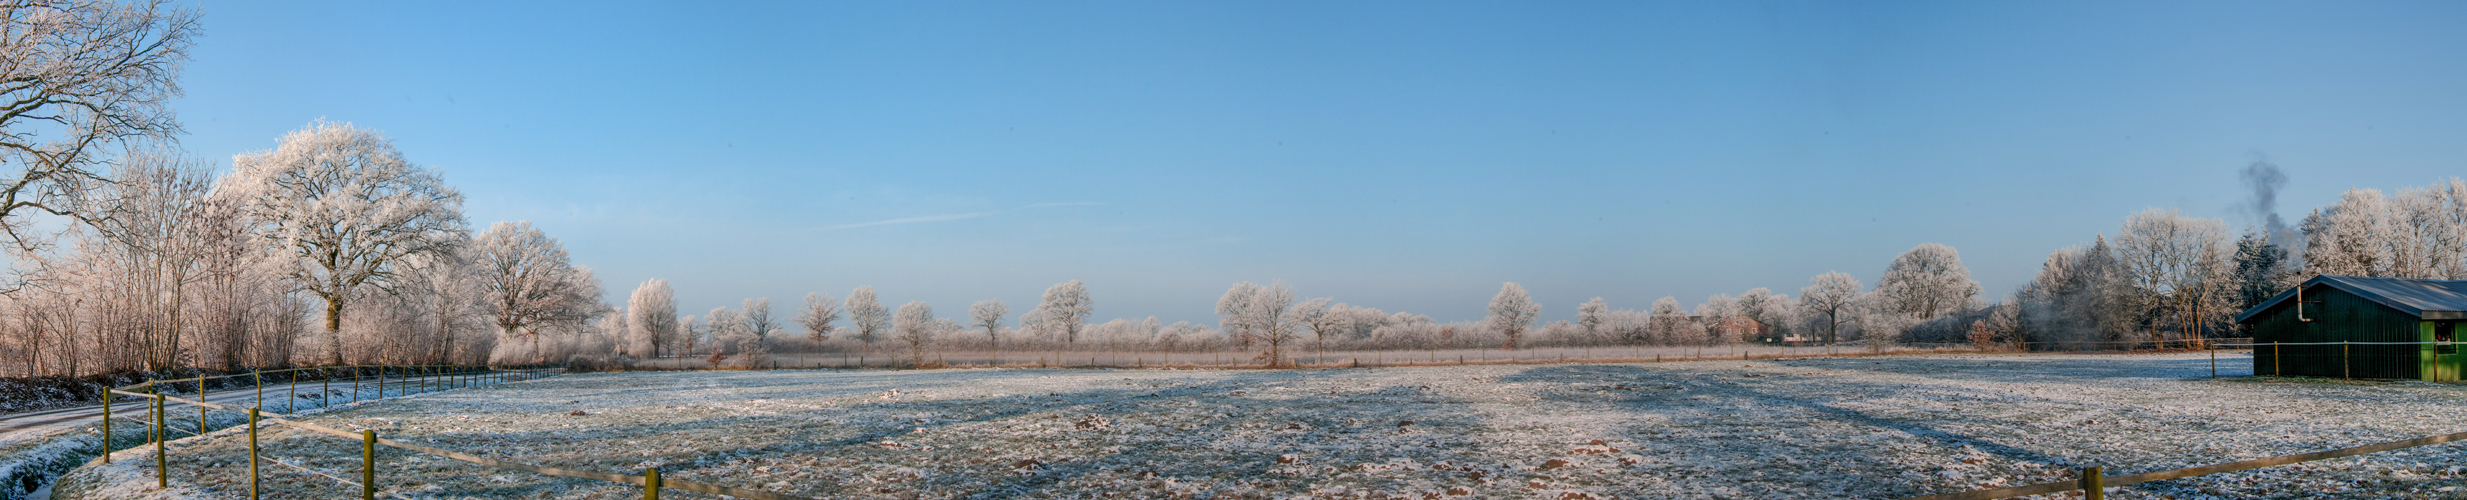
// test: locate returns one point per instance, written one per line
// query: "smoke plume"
(2262, 180)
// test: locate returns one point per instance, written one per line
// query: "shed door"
(2446, 360)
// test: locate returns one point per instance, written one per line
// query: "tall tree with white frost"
(1927, 282)
(344, 206)
(1065, 307)
(987, 314)
(868, 314)
(758, 318)
(1512, 312)
(1591, 315)
(1323, 319)
(2178, 265)
(1271, 319)
(530, 283)
(1830, 294)
(1761, 306)
(652, 315)
(1666, 320)
(1233, 313)
(915, 326)
(820, 311)
(77, 78)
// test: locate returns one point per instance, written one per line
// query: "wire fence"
(1313, 358)
(159, 399)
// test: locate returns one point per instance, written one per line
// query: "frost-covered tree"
(344, 206)
(1668, 321)
(1927, 282)
(1830, 295)
(726, 329)
(2073, 300)
(530, 284)
(652, 317)
(820, 311)
(2178, 267)
(1590, 316)
(870, 317)
(1065, 309)
(1271, 320)
(1512, 311)
(1315, 314)
(2420, 234)
(915, 326)
(77, 79)
(1715, 315)
(757, 318)
(1763, 307)
(987, 314)
(1233, 313)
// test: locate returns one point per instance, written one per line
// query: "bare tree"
(1065, 307)
(1927, 282)
(530, 283)
(758, 318)
(1272, 320)
(2177, 264)
(344, 206)
(652, 315)
(1512, 312)
(915, 326)
(1233, 313)
(155, 220)
(77, 77)
(1830, 294)
(987, 314)
(820, 311)
(868, 314)
(1590, 316)
(1323, 319)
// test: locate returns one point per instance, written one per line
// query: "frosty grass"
(1841, 427)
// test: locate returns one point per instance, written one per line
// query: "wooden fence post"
(650, 484)
(107, 424)
(2214, 363)
(2344, 370)
(2094, 486)
(260, 377)
(252, 454)
(162, 433)
(368, 465)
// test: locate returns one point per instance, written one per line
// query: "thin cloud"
(908, 220)
(1064, 204)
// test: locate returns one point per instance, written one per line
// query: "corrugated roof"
(2443, 299)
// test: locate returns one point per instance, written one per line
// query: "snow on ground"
(1832, 427)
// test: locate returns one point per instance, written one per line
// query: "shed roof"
(2426, 299)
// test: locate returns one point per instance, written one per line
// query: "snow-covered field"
(1835, 427)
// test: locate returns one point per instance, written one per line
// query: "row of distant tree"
(333, 248)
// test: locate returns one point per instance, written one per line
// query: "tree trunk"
(334, 330)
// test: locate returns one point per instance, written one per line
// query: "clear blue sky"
(1408, 156)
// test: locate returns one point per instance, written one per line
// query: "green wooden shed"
(2365, 313)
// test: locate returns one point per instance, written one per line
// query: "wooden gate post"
(2094, 486)
(107, 424)
(252, 454)
(368, 465)
(650, 484)
(162, 433)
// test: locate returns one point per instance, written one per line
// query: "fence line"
(2092, 480)
(1307, 358)
(650, 481)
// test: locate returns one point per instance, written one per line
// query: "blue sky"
(1408, 156)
